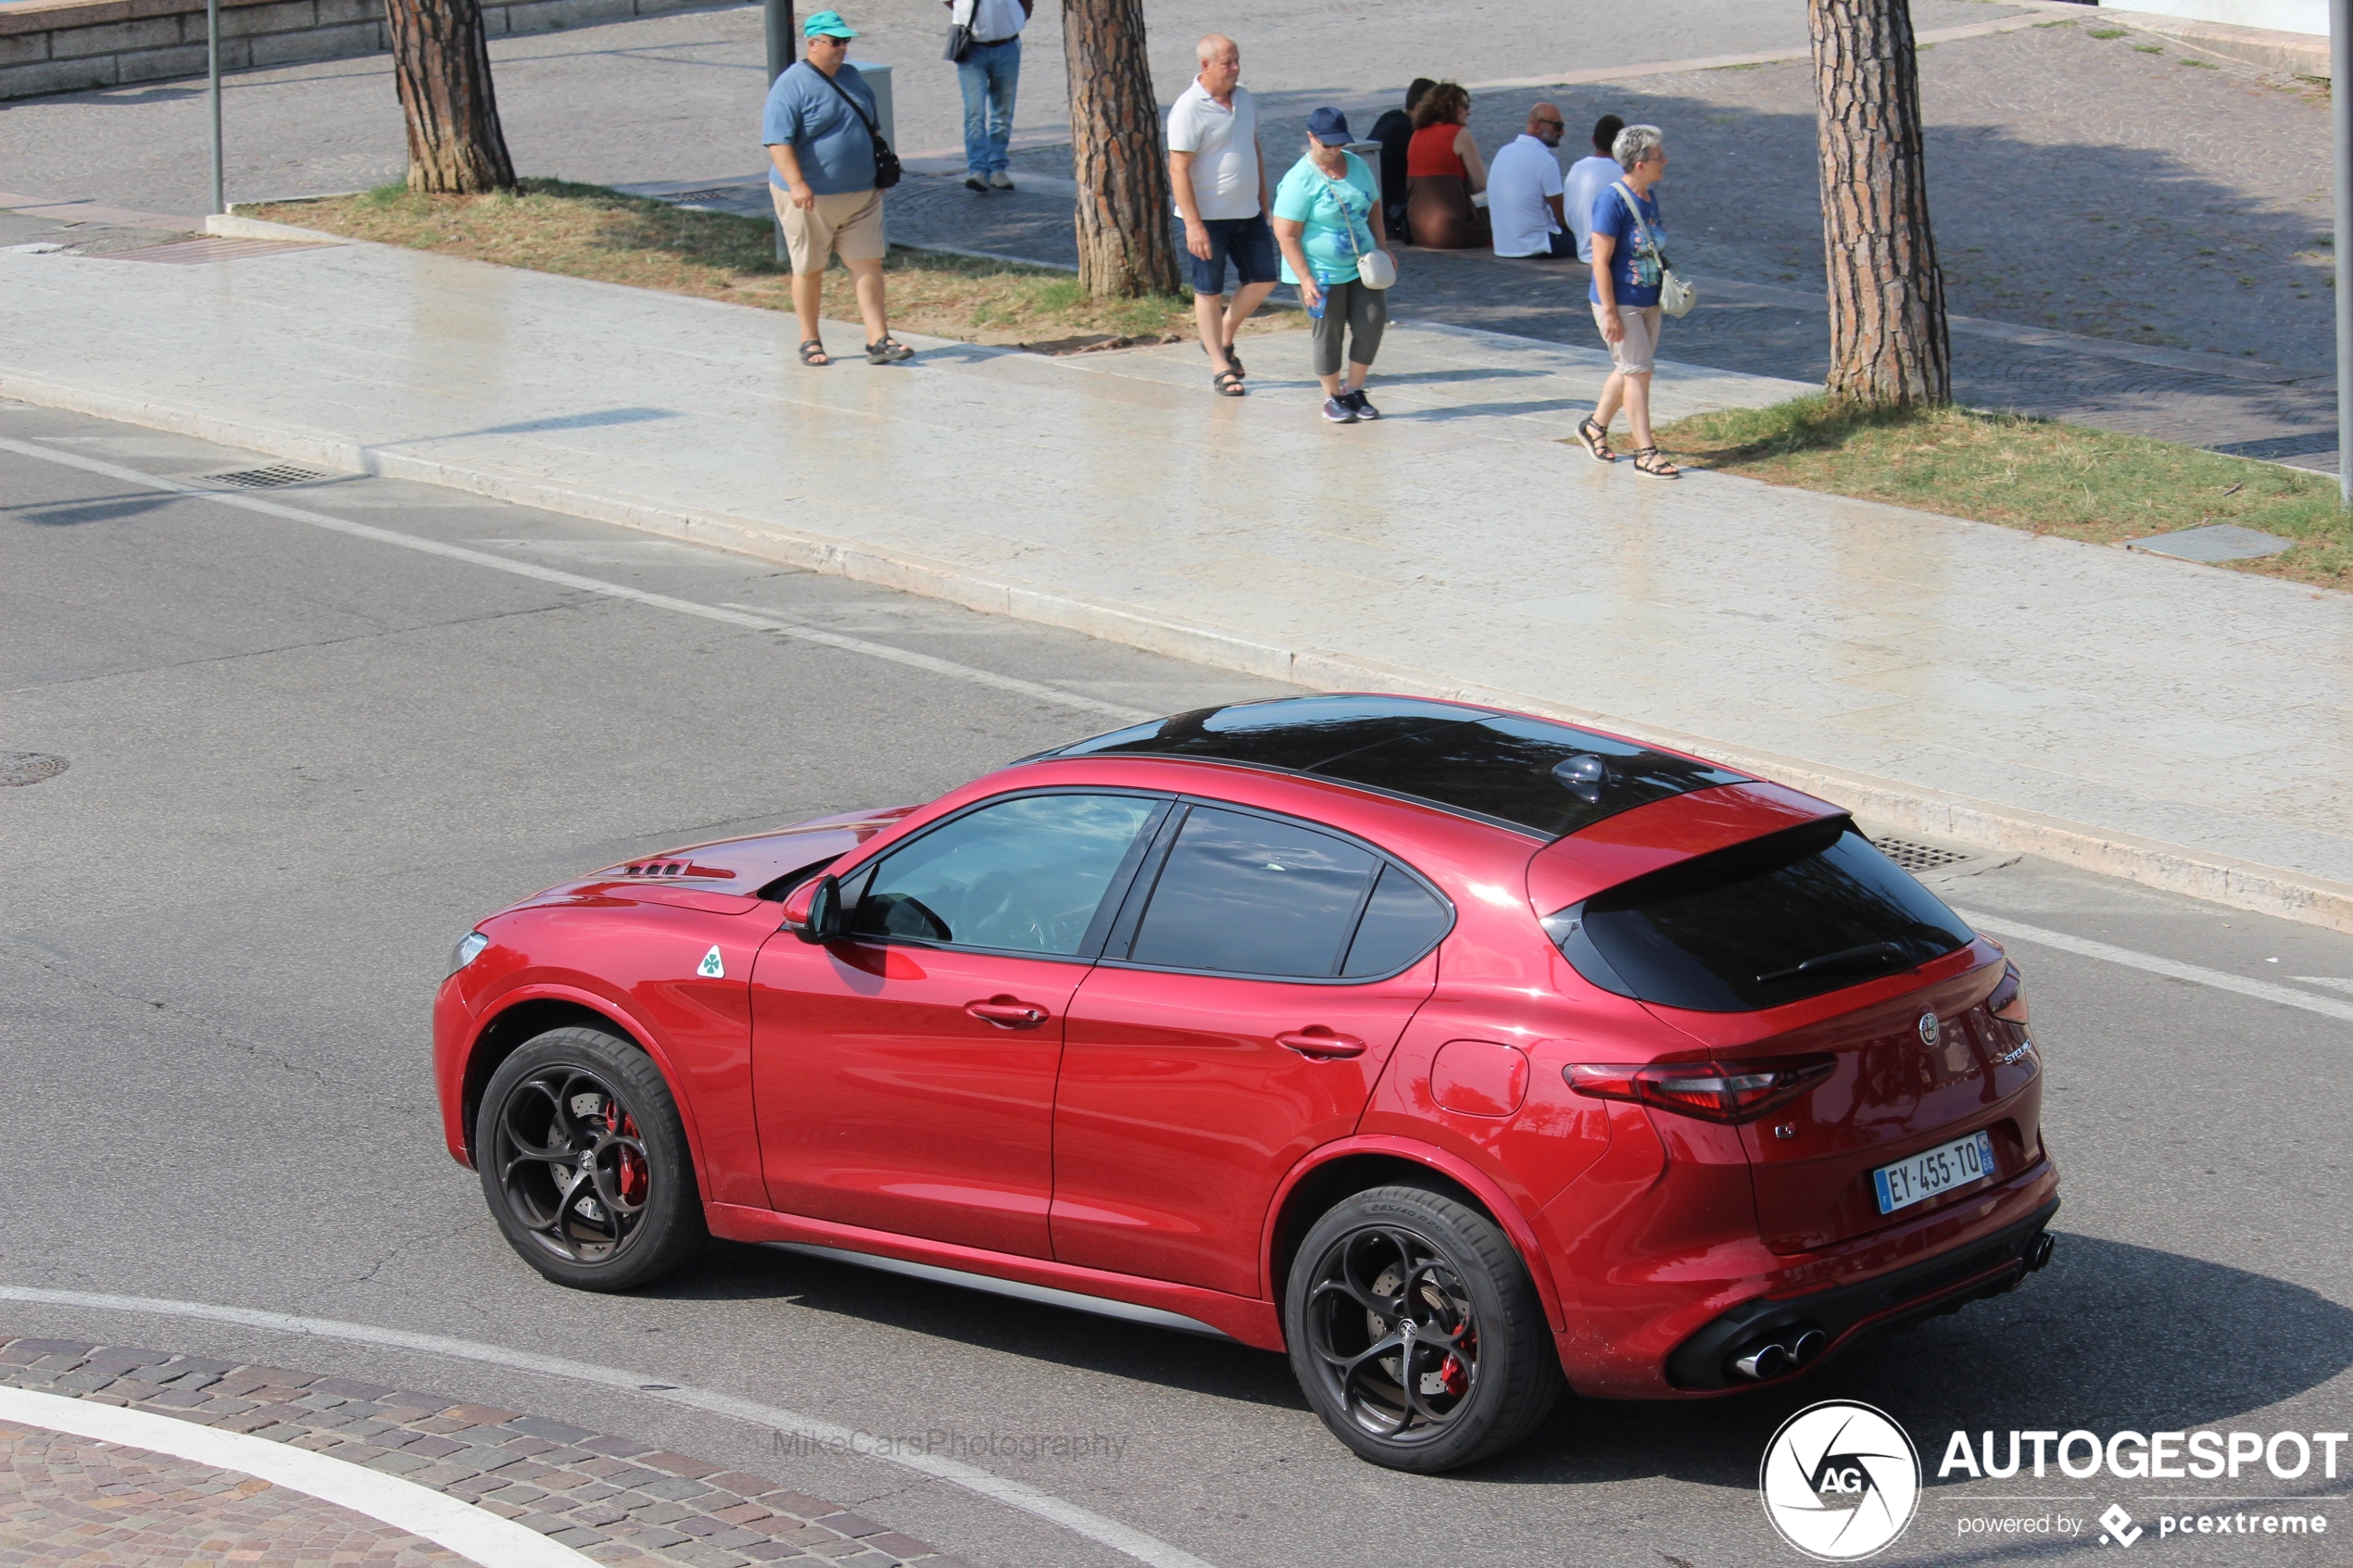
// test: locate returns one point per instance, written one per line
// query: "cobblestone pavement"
(68, 1500)
(2082, 185)
(617, 1501)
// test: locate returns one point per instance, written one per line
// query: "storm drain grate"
(1916, 856)
(270, 478)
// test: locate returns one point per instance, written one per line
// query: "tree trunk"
(1124, 207)
(1888, 342)
(441, 64)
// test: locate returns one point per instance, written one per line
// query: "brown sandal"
(1648, 461)
(1596, 441)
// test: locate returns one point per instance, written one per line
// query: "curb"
(2219, 879)
(610, 1498)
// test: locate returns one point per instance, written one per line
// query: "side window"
(1404, 921)
(1245, 894)
(1026, 875)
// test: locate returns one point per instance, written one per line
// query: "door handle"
(1320, 1043)
(1008, 1012)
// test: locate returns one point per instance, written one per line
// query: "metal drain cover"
(1916, 856)
(265, 478)
(29, 767)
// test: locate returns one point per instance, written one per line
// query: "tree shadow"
(98, 508)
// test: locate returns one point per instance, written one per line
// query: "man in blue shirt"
(820, 127)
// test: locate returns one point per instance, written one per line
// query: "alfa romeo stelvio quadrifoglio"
(1460, 1055)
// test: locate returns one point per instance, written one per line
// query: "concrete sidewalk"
(2185, 726)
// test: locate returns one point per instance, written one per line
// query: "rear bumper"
(1848, 1313)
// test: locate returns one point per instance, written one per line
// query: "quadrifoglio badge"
(1840, 1481)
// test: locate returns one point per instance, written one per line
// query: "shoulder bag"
(1676, 296)
(887, 170)
(1375, 269)
(959, 33)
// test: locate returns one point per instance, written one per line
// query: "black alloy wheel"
(585, 1162)
(1417, 1333)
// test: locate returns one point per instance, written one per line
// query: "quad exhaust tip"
(1795, 1348)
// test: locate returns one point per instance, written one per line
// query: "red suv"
(1449, 1050)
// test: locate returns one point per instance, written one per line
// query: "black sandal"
(1235, 359)
(1648, 461)
(890, 351)
(814, 353)
(1596, 440)
(1229, 383)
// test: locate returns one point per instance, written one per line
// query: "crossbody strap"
(869, 124)
(1635, 208)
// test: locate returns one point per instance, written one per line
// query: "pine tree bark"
(441, 66)
(1125, 249)
(1888, 342)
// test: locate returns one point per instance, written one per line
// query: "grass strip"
(2036, 474)
(592, 231)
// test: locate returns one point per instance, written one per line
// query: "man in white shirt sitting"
(1587, 179)
(1524, 190)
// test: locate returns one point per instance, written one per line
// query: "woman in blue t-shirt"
(1628, 235)
(1328, 217)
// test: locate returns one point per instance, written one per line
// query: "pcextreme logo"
(1840, 1481)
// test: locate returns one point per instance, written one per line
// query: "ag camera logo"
(1840, 1481)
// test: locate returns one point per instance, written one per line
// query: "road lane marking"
(2328, 1007)
(472, 1532)
(725, 616)
(1121, 1538)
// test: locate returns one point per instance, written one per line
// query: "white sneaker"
(1002, 179)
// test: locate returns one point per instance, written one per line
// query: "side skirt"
(1016, 1288)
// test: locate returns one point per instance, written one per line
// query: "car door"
(903, 1075)
(1252, 986)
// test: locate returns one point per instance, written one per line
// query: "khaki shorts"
(850, 224)
(1633, 353)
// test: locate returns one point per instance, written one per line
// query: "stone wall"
(73, 45)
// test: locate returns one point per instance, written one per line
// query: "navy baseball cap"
(1329, 127)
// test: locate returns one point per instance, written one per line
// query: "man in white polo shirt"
(1524, 190)
(1220, 183)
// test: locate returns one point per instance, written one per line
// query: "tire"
(630, 1211)
(1484, 1370)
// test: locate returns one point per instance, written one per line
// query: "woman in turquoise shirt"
(1327, 214)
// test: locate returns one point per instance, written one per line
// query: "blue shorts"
(1248, 243)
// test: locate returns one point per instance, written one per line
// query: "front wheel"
(585, 1162)
(1415, 1332)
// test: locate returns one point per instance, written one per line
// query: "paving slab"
(2145, 716)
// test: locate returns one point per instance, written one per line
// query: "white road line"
(726, 616)
(1122, 1538)
(2328, 1007)
(471, 1532)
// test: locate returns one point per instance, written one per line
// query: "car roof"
(1536, 776)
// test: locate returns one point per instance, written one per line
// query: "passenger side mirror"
(813, 912)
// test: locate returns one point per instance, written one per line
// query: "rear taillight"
(1712, 1091)
(2009, 1000)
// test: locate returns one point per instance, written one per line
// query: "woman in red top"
(1443, 169)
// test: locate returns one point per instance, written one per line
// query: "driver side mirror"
(813, 912)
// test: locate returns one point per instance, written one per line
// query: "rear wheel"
(1417, 1333)
(585, 1162)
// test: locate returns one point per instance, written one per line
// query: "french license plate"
(1932, 1170)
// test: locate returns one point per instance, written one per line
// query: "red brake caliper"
(1453, 1374)
(633, 1164)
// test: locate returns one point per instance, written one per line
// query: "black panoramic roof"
(1530, 774)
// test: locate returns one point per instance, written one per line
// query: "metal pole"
(2341, 114)
(212, 70)
(779, 29)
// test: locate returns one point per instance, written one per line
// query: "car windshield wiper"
(1869, 954)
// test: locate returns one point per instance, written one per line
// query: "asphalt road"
(301, 761)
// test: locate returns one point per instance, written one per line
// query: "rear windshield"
(1778, 920)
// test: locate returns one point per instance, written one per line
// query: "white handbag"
(1375, 269)
(1676, 296)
